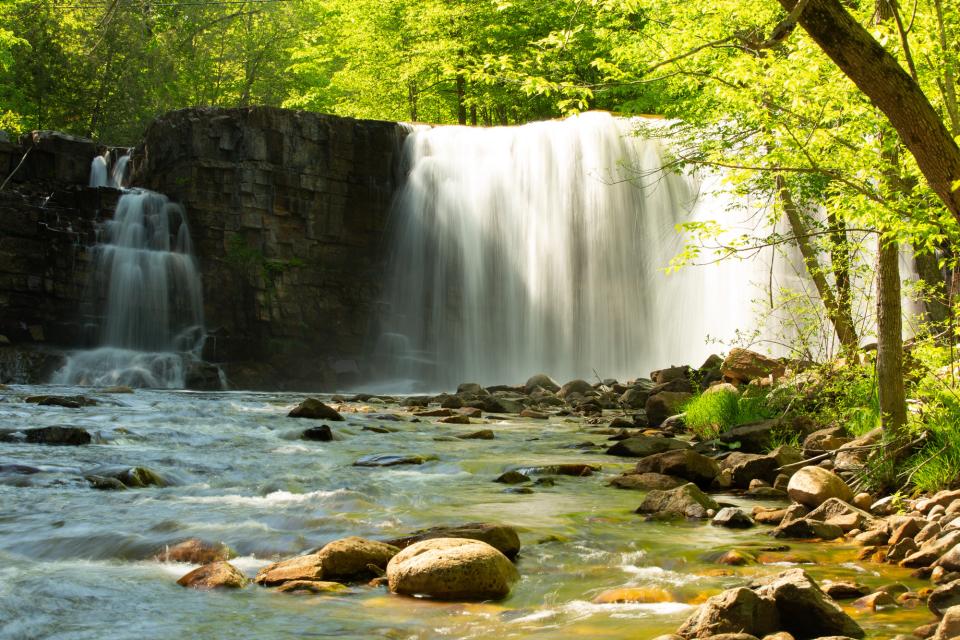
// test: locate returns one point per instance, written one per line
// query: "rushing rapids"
(543, 248)
(147, 285)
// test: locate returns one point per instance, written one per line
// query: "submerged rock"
(634, 594)
(452, 569)
(54, 435)
(67, 402)
(512, 477)
(194, 551)
(130, 477)
(314, 409)
(216, 575)
(646, 481)
(733, 518)
(388, 460)
(312, 586)
(502, 537)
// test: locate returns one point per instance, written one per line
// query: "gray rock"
(388, 460)
(646, 481)
(733, 518)
(733, 611)
(541, 380)
(643, 446)
(686, 501)
(805, 611)
(944, 597)
(314, 409)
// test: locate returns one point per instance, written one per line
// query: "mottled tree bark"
(893, 404)
(891, 89)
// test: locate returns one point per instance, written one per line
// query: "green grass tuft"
(710, 414)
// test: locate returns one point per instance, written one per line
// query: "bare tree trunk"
(891, 89)
(838, 313)
(893, 404)
(461, 105)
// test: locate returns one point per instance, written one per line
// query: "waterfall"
(542, 248)
(98, 171)
(148, 286)
(118, 176)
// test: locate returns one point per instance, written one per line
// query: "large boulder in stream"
(812, 486)
(733, 611)
(542, 381)
(687, 501)
(681, 463)
(216, 575)
(452, 569)
(315, 410)
(55, 435)
(344, 559)
(643, 446)
(500, 536)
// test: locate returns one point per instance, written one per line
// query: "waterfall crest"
(147, 284)
(541, 248)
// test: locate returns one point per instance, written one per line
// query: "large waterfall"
(148, 290)
(543, 248)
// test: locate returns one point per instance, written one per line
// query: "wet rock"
(67, 402)
(388, 460)
(845, 590)
(574, 386)
(661, 406)
(575, 469)
(742, 366)
(635, 398)
(851, 457)
(812, 486)
(194, 551)
(944, 597)
(131, 477)
(216, 575)
(805, 611)
(873, 537)
(753, 438)
(117, 389)
(501, 537)
(542, 381)
(452, 569)
(765, 515)
(202, 376)
(471, 388)
(483, 434)
(931, 550)
(646, 481)
(735, 558)
(805, 529)
(643, 446)
(311, 586)
(456, 419)
(634, 594)
(746, 467)
(733, 611)
(661, 376)
(512, 477)
(681, 463)
(846, 516)
(315, 410)
(54, 435)
(534, 414)
(874, 601)
(451, 402)
(949, 626)
(348, 558)
(319, 434)
(104, 483)
(732, 518)
(686, 501)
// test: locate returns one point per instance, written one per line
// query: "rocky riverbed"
(603, 519)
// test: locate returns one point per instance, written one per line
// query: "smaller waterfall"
(118, 177)
(98, 172)
(147, 284)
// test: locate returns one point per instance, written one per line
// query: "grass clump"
(710, 414)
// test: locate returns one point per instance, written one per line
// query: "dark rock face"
(287, 211)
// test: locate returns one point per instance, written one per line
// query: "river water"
(74, 561)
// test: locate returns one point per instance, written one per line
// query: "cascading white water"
(98, 171)
(118, 176)
(541, 248)
(150, 286)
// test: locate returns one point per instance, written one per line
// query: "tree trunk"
(838, 313)
(461, 105)
(893, 404)
(878, 74)
(934, 291)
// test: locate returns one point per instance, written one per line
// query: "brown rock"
(742, 366)
(501, 537)
(686, 501)
(634, 594)
(812, 486)
(661, 406)
(684, 463)
(347, 558)
(646, 481)
(452, 569)
(315, 410)
(194, 551)
(215, 575)
(733, 611)
(311, 586)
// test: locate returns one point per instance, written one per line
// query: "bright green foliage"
(710, 414)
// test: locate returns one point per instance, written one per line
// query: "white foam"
(269, 500)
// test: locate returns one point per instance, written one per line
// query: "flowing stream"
(74, 561)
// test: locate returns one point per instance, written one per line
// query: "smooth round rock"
(452, 569)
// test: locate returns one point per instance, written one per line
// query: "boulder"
(541, 380)
(132, 477)
(686, 501)
(194, 551)
(635, 397)
(806, 529)
(944, 597)
(754, 437)
(733, 611)
(388, 460)
(344, 559)
(846, 516)
(742, 366)
(643, 446)
(471, 388)
(932, 550)
(949, 626)
(850, 458)
(804, 610)
(315, 410)
(745, 467)
(452, 569)
(319, 434)
(812, 486)
(661, 406)
(646, 481)
(58, 435)
(574, 386)
(512, 477)
(215, 575)
(669, 374)
(483, 434)
(681, 463)
(825, 440)
(732, 518)
(501, 537)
